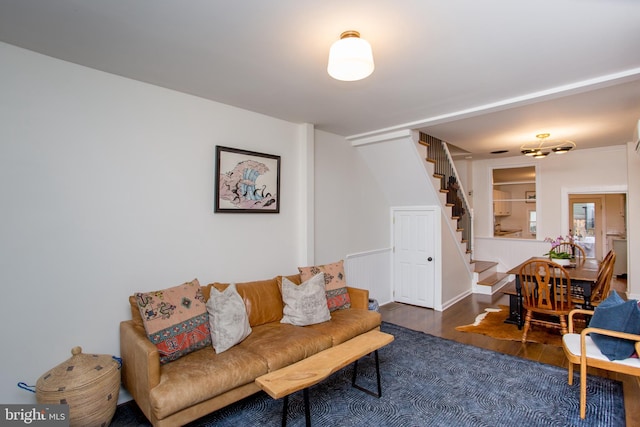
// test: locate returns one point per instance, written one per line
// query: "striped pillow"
(175, 319)
(335, 283)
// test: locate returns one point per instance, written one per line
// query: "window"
(532, 222)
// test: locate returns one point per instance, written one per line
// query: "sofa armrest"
(359, 297)
(140, 363)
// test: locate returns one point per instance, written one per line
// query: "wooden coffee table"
(310, 371)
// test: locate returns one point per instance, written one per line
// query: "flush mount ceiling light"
(350, 58)
(543, 147)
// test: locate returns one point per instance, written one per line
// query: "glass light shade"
(536, 150)
(562, 150)
(350, 58)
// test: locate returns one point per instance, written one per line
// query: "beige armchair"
(581, 350)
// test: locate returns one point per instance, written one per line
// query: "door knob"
(429, 259)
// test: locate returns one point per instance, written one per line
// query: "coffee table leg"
(378, 375)
(307, 409)
(285, 409)
(355, 375)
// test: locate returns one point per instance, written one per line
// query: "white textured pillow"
(228, 319)
(305, 304)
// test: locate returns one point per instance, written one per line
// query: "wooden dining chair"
(602, 286)
(581, 350)
(605, 275)
(575, 250)
(545, 296)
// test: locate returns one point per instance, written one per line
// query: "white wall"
(352, 212)
(107, 189)
(456, 275)
(633, 227)
(581, 171)
(390, 155)
(406, 178)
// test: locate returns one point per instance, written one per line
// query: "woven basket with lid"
(88, 383)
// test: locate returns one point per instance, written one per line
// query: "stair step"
(480, 266)
(493, 279)
(425, 143)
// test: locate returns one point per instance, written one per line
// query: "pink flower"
(559, 239)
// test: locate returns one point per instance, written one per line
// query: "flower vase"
(562, 261)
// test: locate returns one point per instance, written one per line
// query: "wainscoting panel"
(371, 270)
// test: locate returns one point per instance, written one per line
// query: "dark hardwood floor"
(443, 324)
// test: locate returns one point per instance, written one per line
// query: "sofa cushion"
(281, 344)
(202, 375)
(616, 314)
(347, 324)
(135, 311)
(175, 319)
(305, 304)
(335, 283)
(261, 298)
(228, 318)
(294, 278)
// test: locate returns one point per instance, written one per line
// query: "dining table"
(583, 276)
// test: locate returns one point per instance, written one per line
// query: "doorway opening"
(596, 221)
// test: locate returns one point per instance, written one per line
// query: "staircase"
(445, 178)
(486, 280)
(451, 195)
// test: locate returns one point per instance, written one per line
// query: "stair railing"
(438, 153)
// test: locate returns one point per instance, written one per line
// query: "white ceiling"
(482, 75)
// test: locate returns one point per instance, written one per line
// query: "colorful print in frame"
(246, 181)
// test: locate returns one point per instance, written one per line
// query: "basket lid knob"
(76, 350)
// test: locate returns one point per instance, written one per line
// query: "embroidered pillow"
(228, 319)
(305, 304)
(335, 283)
(616, 314)
(175, 319)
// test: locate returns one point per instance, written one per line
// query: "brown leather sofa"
(201, 382)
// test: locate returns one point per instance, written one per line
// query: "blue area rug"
(428, 380)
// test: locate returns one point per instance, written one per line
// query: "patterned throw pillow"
(228, 319)
(175, 320)
(335, 283)
(305, 304)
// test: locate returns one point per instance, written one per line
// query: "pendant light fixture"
(350, 58)
(544, 147)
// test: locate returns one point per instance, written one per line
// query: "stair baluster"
(438, 154)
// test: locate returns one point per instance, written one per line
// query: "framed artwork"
(530, 196)
(246, 181)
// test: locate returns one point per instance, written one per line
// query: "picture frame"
(530, 196)
(246, 181)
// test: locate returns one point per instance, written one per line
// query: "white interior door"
(414, 257)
